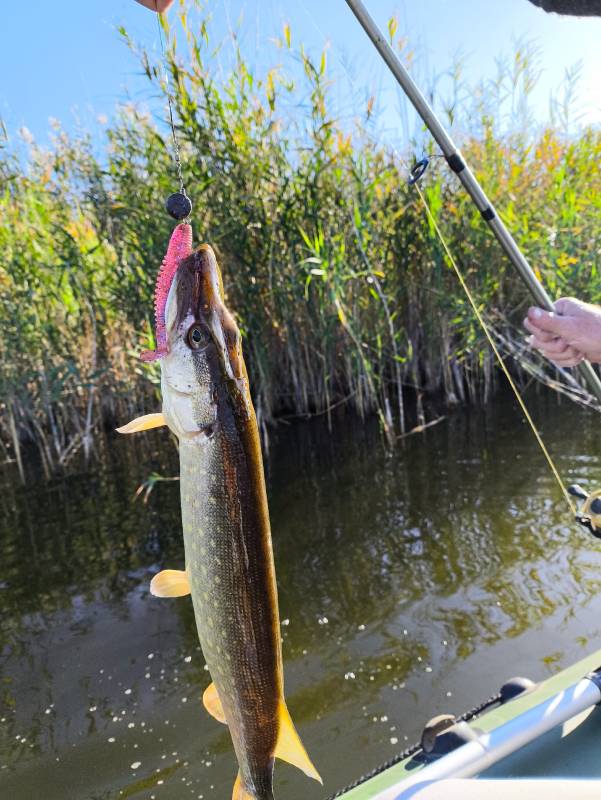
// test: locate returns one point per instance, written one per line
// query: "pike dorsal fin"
(170, 583)
(290, 748)
(144, 423)
(212, 703)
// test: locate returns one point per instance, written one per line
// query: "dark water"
(410, 585)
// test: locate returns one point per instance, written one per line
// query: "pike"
(229, 569)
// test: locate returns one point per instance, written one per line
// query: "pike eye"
(197, 337)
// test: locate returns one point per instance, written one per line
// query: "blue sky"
(68, 62)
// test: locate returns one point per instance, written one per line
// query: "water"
(410, 585)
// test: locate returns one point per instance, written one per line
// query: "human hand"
(156, 5)
(569, 334)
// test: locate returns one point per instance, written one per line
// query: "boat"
(531, 740)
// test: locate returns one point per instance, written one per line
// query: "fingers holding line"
(557, 334)
(554, 347)
(551, 344)
(551, 323)
(539, 333)
(557, 350)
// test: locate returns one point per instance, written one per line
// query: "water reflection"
(409, 585)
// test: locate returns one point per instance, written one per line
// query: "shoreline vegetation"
(339, 285)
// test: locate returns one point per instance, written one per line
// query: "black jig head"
(179, 206)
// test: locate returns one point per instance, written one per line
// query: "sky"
(65, 59)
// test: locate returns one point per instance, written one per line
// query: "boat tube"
(540, 738)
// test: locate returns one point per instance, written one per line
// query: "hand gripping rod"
(465, 175)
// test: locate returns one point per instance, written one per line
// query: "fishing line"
(491, 341)
(176, 149)
(178, 206)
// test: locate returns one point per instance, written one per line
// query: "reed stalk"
(339, 284)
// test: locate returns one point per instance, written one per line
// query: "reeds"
(338, 282)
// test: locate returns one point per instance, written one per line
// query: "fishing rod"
(461, 169)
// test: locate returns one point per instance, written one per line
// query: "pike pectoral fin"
(170, 583)
(212, 703)
(144, 423)
(290, 748)
(240, 792)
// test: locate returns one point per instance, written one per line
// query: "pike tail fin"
(289, 746)
(240, 792)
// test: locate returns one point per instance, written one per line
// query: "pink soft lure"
(180, 247)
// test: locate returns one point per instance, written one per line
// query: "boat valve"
(590, 513)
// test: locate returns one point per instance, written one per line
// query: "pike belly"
(229, 564)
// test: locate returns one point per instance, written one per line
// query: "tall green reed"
(339, 284)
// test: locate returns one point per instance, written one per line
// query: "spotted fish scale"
(230, 574)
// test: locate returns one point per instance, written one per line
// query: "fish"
(229, 566)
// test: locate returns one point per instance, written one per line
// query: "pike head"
(203, 368)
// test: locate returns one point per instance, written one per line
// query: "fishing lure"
(180, 247)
